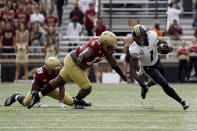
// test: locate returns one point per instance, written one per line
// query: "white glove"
(43, 105)
(61, 105)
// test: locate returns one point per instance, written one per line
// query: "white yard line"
(83, 127)
(64, 114)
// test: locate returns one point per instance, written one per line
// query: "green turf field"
(115, 107)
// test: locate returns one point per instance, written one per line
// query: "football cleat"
(34, 99)
(185, 105)
(143, 92)
(10, 100)
(83, 102)
(77, 104)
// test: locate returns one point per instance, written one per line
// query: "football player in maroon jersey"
(77, 61)
(42, 76)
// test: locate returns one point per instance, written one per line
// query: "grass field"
(115, 107)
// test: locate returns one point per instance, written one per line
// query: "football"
(164, 49)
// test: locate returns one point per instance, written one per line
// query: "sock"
(40, 94)
(16, 97)
(46, 90)
(172, 93)
(20, 99)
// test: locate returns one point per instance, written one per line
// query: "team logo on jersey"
(141, 52)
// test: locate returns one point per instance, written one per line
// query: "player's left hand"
(43, 105)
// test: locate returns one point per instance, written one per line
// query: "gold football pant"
(72, 72)
(68, 100)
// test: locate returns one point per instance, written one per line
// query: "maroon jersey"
(182, 51)
(6, 15)
(42, 77)
(51, 20)
(99, 52)
(100, 30)
(8, 36)
(193, 49)
(22, 17)
(88, 22)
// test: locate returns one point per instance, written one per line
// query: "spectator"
(28, 6)
(35, 37)
(156, 28)
(173, 13)
(37, 16)
(41, 8)
(6, 15)
(74, 30)
(77, 12)
(50, 48)
(192, 57)
(175, 31)
(194, 24)
(2, 4)
(182, 54)
(14, 5)
(7, 41)
(10, 7)
(51, 33)
(16, 24)
(22, 39)
(21, 15)
(53, 4)
(51, 21)
(90, 17)
(99, 28)
(84, 5)
(59, 5)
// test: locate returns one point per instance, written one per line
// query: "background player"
(76, 62)
(42, 76)
(145, 50)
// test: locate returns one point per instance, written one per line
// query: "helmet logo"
(137, 30)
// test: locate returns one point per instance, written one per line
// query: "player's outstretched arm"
(112, 61)
(61, 95)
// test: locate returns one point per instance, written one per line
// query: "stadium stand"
(119, 18)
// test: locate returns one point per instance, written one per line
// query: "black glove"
(117, 69)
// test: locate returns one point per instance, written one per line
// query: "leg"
(25, 66)
(49, 88)
(158, 78)
(25, 101)
(68, 100)
(53, 4)
(190, 67)
(179, 70)
(195, 64)
(17, 71)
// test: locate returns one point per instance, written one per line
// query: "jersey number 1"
(151, 55)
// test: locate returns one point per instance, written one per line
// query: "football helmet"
(52, 62)
(139, 34)
(107, 39)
